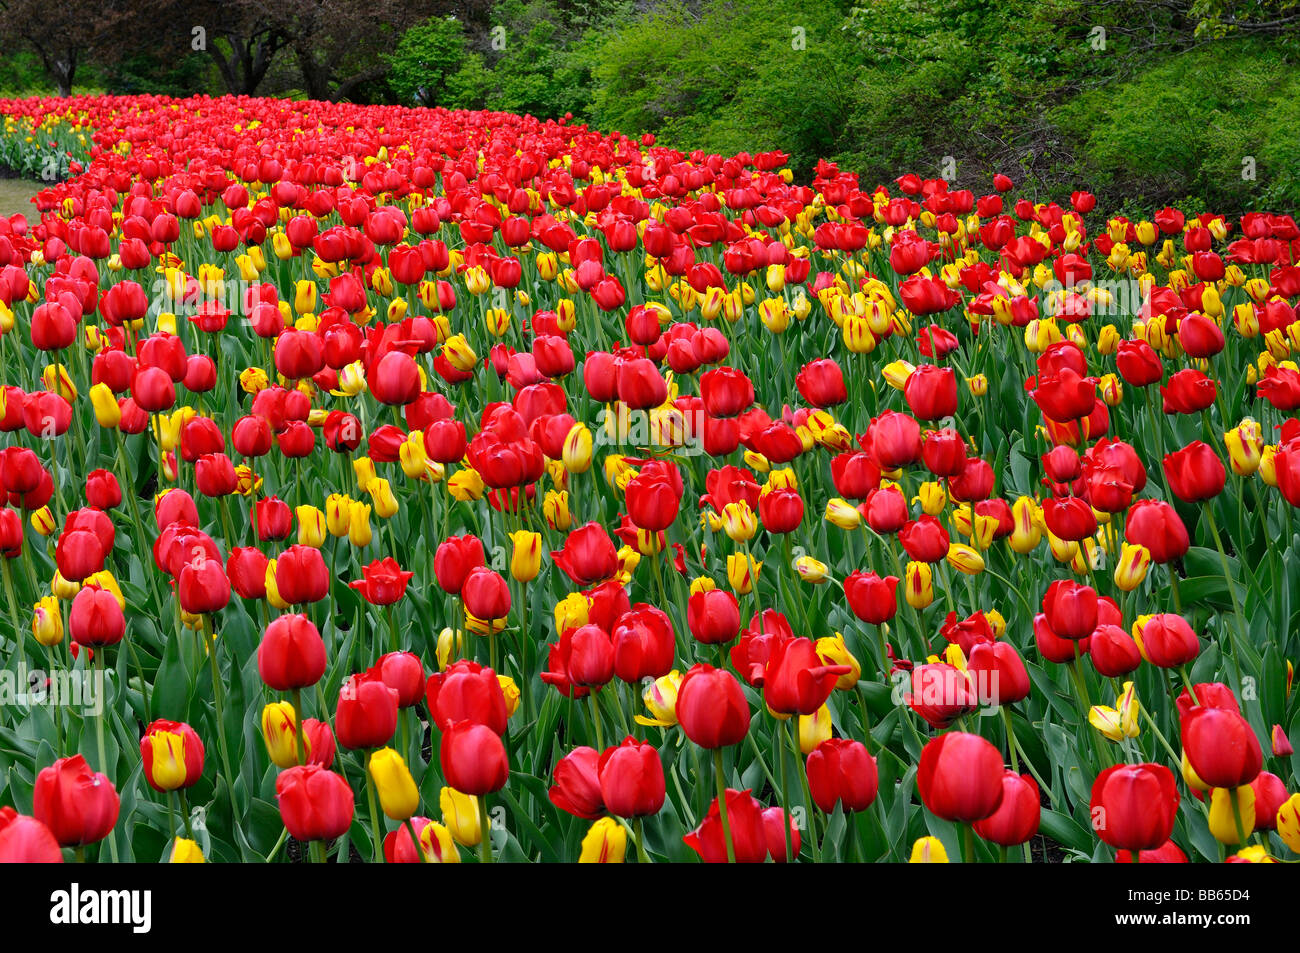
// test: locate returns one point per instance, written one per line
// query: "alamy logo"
(74, 906)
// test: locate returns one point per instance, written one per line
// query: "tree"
(241, 38)
(339, 44)
(427, 55)
(66, 34)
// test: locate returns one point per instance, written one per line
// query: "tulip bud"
(185, 851)
(739, 522)
(928, 850)
(1225, 816)
(965, 559)
(577, 451)
(660, 698)
(43, 521)
(398, 795)
(280, 733)
(359, 531)
(1245, 444)
(413, 456)
(107, 411)
(919, 585)
(1131, 568)
(1281, 744)
(605, 843)
(47, 621)
(526, 557)
(811, 570)
(311, 526)
(843, 514)
(381, 494)
(460, 815)
(742, 572)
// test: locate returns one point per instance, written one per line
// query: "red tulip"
(821, 383)
(467, 692)
(383, 583)
(1113, 651)
(78, 805)
(301, 575)
(940, 693)
(1157, 526)
(639, 384)
(711, 707)
(796, 679)
(781, 511)
(577, 784)
(315, 803)
(291, 654)
(1071, 609)
(960, 777)
(925, 539)
(1166, 853)
(1270, 795)
(102, 490)
(1069, 518)
(726, 391)
(403, 672)
(855, 475)
(246, 570)
(1065, 396)
(643, 644)
(95, 618)
(25, 840)
(473, 759)
(653, 501)
(931, 392)
(486, 594)
(78, 554)
(999, 673)
(1188, 392)
(203, 587)
(1133, 806)
(894, 440)
(1195, 473)
(366, 716)
(745, 824)
(588, 555)
(631, 779)
(1221, 747)
(178, 769)
(871, 598)
(1168, 641)
(713, 616)
(1016, 819)
(841, 771)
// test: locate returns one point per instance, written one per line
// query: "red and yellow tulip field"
(404, 485)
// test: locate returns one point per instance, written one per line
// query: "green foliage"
(21, 73)
(425, 58)
(529, 62)
(729, 77)
(1191, 125)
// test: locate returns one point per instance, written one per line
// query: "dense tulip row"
(424, 487)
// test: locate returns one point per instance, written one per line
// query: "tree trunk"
(315, 79)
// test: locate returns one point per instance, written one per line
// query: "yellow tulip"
(398, 795)
(605, 843)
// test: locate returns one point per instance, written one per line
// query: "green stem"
(99, 744)
(374, 813)
(485, 830)
(722, 808)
